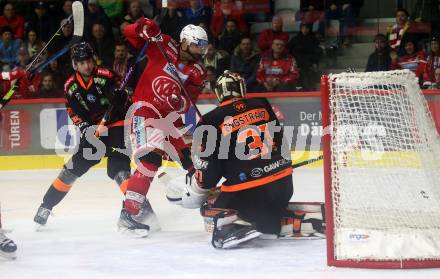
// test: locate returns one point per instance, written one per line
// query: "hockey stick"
(306, 162)
(78, 20)
(127, 76)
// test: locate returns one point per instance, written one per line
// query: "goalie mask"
(229, 85)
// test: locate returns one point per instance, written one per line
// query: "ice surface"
(81, 240)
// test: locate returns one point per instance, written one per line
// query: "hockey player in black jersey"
(89, 92)
(241, 142)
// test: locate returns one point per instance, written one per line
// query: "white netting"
(385, 167)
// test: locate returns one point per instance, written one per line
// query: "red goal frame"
(331, 259)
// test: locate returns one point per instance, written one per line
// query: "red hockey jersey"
(158, 81)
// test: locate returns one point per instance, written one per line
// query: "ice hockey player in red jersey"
(171, 81)
(245, 147)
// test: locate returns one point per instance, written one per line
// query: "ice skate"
(7, 246)
(229, 236)
(147, 216)
(41, 217)
(127, 224)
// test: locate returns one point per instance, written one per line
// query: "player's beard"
(187, 55)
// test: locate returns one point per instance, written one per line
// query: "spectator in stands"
(66, 9)
(197, 13)
(102, 44)
(16, 22)
(48, 88)
(312, 12)
(171, 21)
(218, 59)
(211, 78)
(112, 8)
(230, 37)
(223, 11)
(94, 14)
(305, 48)
(344, 11)
(60, 42)
(148, 7)
(277, 71)
(399, 31)
(134, 12)
(42, 21)
(23, 57)
(432, 62)
(276, 32)
(245, 62)
(121, 59)
(436, 83)
(380, 59)
(413, 59)
(34, 45)
(59, 73)
(9, 47)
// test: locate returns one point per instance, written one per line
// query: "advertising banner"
(15, 129)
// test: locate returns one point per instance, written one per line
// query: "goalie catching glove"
(184, 191)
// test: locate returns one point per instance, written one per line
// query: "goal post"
(381, 172)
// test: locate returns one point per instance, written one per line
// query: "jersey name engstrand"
(237, 122)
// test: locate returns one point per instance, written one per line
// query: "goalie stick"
(78, 23)
(306, 162)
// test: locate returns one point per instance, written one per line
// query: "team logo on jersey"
(91, 98)
(239, 106)
(165, 86)
(257, 172)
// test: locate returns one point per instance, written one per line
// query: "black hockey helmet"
(229, 85)
(82, 51)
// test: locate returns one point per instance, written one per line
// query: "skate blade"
(151, 220)
(236, 242)
(136, 233)
(8, 256)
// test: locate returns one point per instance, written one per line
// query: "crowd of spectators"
(408, 45)
(273, 60)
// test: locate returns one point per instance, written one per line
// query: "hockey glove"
(147, 29)
(15, 74)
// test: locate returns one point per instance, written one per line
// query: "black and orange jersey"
(87, 102)
(247, 149)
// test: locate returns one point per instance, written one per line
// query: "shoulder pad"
(69, 82)
(104, 72)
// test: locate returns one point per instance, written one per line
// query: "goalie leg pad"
(305, 220)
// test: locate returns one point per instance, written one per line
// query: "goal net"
(382, 171)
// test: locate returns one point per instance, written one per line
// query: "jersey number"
(257, 141)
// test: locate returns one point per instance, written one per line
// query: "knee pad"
(67, 176)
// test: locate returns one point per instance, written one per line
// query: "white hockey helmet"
(193, 34)
(230, 85)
